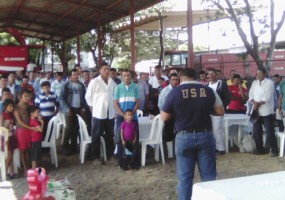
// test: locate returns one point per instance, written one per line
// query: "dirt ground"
(154, 181)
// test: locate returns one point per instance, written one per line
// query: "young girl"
(22, 128)
(7, 121)
(36, 136)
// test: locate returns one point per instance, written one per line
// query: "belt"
(195, 130)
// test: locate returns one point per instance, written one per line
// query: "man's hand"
(69, 113)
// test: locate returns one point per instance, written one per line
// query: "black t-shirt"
(191, 104)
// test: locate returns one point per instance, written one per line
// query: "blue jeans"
(189, 149)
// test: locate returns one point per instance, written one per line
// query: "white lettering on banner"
(213, 59)
(14, 58)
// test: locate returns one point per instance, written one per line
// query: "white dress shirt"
(263, 91)
(99, 95)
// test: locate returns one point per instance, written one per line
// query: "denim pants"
(191, 148)
(268, 122)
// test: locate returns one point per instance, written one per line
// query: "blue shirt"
(127, 96)
(47, 104)
(162, 95)
(191, 103)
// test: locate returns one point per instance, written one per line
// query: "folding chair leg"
(156, 153)
(143, 154)
(162, 153)
(3, 168)
(282, 141)
(55, 157)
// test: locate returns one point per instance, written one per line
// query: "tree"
(240, 10)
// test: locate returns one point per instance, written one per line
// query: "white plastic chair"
(50, 140)
(60, 126)
(139, 113)
(155, 138)
(86, 139)
(3, 151)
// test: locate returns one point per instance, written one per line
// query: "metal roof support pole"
(132, 30)
(78, 47)
(190, 61)
(99, 33)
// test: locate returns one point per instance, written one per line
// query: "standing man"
(143, 91)
(192, 104)
(113, 75)
(261, 95)
(99, 97)
(14, 88)
(126, 97)
(72, 102)
(153, 81)
(222, 89)
(168, 131)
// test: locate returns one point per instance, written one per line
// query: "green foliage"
(7, 39)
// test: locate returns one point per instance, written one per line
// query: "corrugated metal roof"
(59, 20)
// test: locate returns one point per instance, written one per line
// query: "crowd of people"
(108, 101)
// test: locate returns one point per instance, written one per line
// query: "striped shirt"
(126, 96)
(47, 104)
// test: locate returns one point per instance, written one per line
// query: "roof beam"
(55, 33)
(105, 9)
(13, 12)
(43, 10)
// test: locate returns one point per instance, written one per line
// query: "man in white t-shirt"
(153, 81)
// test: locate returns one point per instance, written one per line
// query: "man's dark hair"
(73, 70)
(76, 65)
(276, 75)
(202, 72)
(125, 70)
(188, 72)
(32, 109)
(262, 69)
(113, 69)
(173, 74)
(5, 89)
(59, 73)
(25, 77)
(102, 65)
(161, 78)
(157, 67)
(45, 83)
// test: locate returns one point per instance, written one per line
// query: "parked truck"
(17, 57)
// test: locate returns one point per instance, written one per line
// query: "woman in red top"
(238, 96)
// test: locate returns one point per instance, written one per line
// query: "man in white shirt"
(99, 97)
(261, 95)
(153, 81)
(14, 88)
(217, 121)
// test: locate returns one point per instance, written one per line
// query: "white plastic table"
(234, 119)
(261, 187)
